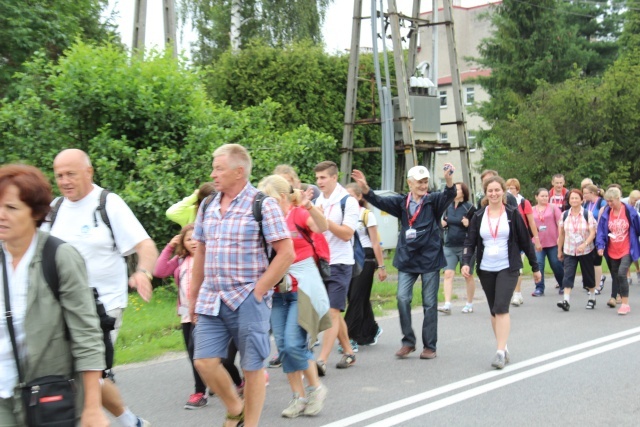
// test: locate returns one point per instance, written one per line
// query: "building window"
(469, 95)
(472, 140)
(443, 99)
(444, 137)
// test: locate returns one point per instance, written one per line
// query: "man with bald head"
(77, 220)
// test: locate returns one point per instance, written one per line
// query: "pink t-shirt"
(547, 223)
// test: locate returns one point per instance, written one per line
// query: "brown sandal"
(239, 418)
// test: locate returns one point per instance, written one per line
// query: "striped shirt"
(235, 257)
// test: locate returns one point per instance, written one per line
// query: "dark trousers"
(586, 266)
(359, 317)
(498, 287)
(619, 269)
(187, 334)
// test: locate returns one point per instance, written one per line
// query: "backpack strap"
(53, 213)
(49, 268)
(257, 215)
(585, 214)
(102, 210)
(343, 205)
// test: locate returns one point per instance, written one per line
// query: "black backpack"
(131, 260)
(50, 273)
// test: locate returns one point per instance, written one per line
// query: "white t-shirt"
(363, 234)
(80, 224)
(496, 251)
(341, 251)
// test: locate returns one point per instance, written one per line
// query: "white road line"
(381, 410)
(485, 388)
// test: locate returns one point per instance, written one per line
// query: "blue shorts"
(248, 326)
(338, 285)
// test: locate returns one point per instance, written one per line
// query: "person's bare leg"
(218, 380)
(343, 336)
(471, 289)
(255, 391)
(329, 336)
(311, 374)
(448, 286)
(502, 330)
(295, 382)
(112, 399)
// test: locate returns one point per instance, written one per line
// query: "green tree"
(309, 84)
(529, 44)
(583, 127)
(224, 24)
(48, 26)
(146, 124)
(630, 38)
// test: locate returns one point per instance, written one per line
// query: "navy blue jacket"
(519, 240)
(424, 253)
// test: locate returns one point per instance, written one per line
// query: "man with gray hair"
(419, 251)
(232, 282)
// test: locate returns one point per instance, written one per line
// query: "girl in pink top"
(547, 217)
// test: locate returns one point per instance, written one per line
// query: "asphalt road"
(567, 368)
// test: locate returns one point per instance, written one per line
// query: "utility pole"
(140, 26)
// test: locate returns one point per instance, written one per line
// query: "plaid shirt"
(235, 257)
(575, 224)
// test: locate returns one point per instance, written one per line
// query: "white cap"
(418, 173)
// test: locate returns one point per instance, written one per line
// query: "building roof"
(464, 75)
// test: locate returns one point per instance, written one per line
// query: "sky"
(336, 30)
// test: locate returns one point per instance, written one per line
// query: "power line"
(565, 12)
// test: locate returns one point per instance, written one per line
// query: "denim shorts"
(453, 255)
(338, 285)
(248, 326)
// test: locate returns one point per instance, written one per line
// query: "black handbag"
(50, 400)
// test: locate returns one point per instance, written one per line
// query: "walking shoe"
(276, 361)
(507, 356)
(564, 304)
(446, 309)
(404, 351)
(143, 423)
(196, 400)
(346, 361)
(561, 291)
(354, 346)
(378, 333)
(517, 300)
(618, 299)
(322, 367)
(624, 309)
(317, 343)
(602, 280)
(591, 304)
(597, 291)
(498, 361)
(315, 400)
(537, 293)
(427, 353)
(468, 308)
(612, 302)
(296, 407)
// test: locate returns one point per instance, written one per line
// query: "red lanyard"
(544, 213)
(415, 215)
(494, 233)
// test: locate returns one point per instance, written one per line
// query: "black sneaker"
(276, 362)
(346, 361)
(564, 304)
(591, 304)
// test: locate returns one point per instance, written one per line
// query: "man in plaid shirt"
(232, 282)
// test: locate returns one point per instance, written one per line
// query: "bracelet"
(382, 267)
(146, 273)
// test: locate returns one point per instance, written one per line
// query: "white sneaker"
(446, 309)
(296, 407)
(517, 300)
(468, 308)
(315, 400)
